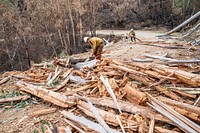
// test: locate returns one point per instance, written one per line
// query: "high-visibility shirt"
(95, 42)
(132, 33)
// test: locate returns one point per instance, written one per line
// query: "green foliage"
(9, 94)
(42, 129)
(17, 105)
(43, 122)
(35, 131)
(183, 3)
(22, 104)
(55, 82)
(62, 54)
(9, 2)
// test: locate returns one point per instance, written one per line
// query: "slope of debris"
(88, 95)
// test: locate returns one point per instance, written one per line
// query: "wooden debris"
(191, 115)
(42, 112)
(120, 123)
(61, 85)
(188, 92)
(162, 130)
(109, 89)
(183, 76)
(126, 69)
(183, 24)
(108, 116)
(74, 126)
(54, 77)
(168, 93)
(184, 61)
(78, 79)
(190, 108)
(99, 118)
(184, 123)
(134, 95)
(141, 123)
(128, 107)
(50, 96)
(151, 127)
(89, 124)
(158, 57)
(52, 128)
(197, 101)
(67, 73)
(184, 89)
(89, 64)
(184, 93)
(4, 80)
(162, 45)
(141, 60)
(170, 60)
(126, 83)
(83, 88)
(45, 64)
(13, 99)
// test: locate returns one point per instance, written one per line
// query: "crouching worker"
(97, 45)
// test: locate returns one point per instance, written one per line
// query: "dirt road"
(144, 35)
(125, 49)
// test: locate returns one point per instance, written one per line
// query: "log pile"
(111, 96)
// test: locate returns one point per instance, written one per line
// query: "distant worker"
(97, 45)
(133, 36)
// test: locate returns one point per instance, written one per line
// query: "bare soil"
(15, 120)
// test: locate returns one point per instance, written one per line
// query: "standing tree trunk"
(72, 24)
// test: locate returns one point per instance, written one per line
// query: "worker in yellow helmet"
(97, 45)
(132, 35)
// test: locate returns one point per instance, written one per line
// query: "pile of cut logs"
(112, 96)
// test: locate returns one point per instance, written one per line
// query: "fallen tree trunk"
(183, 76)
(13, 99)
(48, 95)
(182, 122)
(183, 24)
(188, 107)
(182, 93)
(184, 61)
(158, 57)
(42, 112)
(168, 93)
(128, 107)
(134, 95)
(149, 82)
(4, 80)
(141, 60)
(108, 116)
(193, 116)
(88, 123)
(162, 130)
(191, 31)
